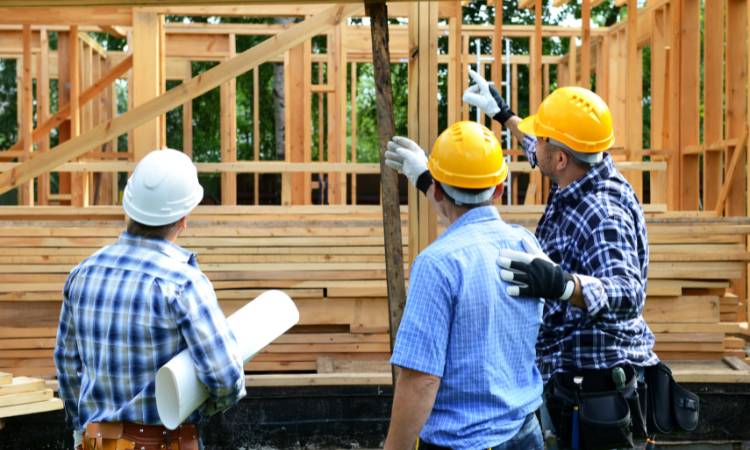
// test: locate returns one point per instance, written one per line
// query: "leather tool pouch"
(670, 405)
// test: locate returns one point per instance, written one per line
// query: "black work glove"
(534, 276)
(505, 111)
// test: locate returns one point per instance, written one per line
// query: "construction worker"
(464, 349)
(131, 307)
(593, 233)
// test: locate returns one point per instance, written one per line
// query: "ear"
(499, 189)
(437, 192)
(562, 160)
(183, 224)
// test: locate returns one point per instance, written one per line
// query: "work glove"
(406, 157)
(485, 97)
(534, 276)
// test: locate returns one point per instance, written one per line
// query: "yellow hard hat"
(574, 116)
(468, 155)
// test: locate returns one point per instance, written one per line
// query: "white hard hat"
(163, 188)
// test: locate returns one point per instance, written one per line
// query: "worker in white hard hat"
(465, 354)
(132, 306)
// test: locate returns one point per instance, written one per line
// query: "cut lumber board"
(22, 384)
(25, 397)
(5, 378)
(52, 404)
(699, 309)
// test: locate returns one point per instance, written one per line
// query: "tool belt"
(591, 411)
(133, 436)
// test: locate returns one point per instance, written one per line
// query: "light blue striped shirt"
(460, 325)
(127, 310)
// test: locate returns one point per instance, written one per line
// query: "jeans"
(529, 438)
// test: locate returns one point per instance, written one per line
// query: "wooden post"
(337, 112)
(713, 98)
(187, 116)
(42, 108)
(602, 69)
(736, 99)
(228, 125)
(298, 118)
(146, 77)
(675, 166)
(26, 191)
(63, 95)
(256, 132)
(572, 62)
(353, 134)
(689, 101)
(455, 66)
(659, 94)
(79, 189)
(736, 123)
(497, 56)
(388, 178)
(586, 44)
(535, 90)
(633, 93)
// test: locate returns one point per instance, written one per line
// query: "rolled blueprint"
(255, 325)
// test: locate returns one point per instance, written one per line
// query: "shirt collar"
(474, 215)
(599, 171)
(169, 249)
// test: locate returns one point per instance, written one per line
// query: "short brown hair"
(151, 232)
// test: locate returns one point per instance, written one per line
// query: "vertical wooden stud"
(228, 125)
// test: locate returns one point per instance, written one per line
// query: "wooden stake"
(394, 260)
(586, 44)
(26, 191)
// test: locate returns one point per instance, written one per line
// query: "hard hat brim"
(526, 126)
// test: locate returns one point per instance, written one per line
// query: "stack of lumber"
(22, 395)
(330, 261)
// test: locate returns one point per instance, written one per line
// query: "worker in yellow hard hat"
(465, 348)
(593, 277)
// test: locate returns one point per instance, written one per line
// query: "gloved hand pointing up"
(485, 97)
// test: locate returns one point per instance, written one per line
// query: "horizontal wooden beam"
(287, 167)
(251, 58)
(277, 9)
(59, 13)
(227, 167)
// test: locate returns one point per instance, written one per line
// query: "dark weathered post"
(394, 259)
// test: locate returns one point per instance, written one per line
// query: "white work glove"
(406, 157)
(479, 95)
(534, 275)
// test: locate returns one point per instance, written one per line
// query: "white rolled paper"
(255, 325)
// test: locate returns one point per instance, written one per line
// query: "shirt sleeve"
(529, 146)
(614, 284)
(422, 339)
(212, 346)
(67, 359)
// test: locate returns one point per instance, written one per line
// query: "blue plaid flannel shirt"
(127, 310)
(594, 228)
